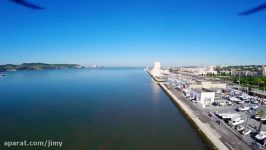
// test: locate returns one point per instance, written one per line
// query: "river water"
(109, 109)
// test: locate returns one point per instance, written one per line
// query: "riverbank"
(212, 141)
(155, 78)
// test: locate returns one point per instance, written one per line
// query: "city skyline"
(133, 33)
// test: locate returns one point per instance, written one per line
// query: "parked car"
(246, 132)
(247, 101)
(264, 101)
(237, 121)
(240, 102)
(243, 108)
(255, 102)
(257, 117)
(228, 103)
(263, 118)
(255, 107)
(261, 135)
(210, 114)
(240, 128)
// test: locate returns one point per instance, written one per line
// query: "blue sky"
(133, 32)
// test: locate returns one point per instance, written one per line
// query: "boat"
(246, 132)
(261, 135)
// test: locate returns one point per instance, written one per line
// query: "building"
(225, 72)
(264, 70)
(156, 70)
(202, 96)
(235, 72)
(165, 71)
(208, 85)
(211, 70)
(198, 70)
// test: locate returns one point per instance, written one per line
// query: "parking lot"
(228, 134)
(250, 122)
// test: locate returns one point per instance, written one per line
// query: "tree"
(261, 114)
(257, 81)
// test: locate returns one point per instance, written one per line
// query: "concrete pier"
(209, 137)
(155, 78)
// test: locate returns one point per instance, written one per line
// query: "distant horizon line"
(119, 66)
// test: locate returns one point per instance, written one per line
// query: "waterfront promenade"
(156, 78)
(210, 136)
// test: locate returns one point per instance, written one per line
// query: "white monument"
(156, 70)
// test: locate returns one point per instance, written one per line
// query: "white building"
(198, 70)
(165, 71)
(211, 70)
(156, 70)
(264, 70)
(202, 96)
(234, 72)
(209, 85)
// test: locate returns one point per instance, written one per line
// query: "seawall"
(209, 138)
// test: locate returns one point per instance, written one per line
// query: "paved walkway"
(205, 129)
(231, 138)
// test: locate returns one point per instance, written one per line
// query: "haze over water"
(113, 109)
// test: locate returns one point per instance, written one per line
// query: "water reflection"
(155, 91)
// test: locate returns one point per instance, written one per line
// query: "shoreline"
(211, 141)
(154, 78)
(209, 138)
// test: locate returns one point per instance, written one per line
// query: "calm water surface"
(112, 109)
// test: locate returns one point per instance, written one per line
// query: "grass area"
(252, 82)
